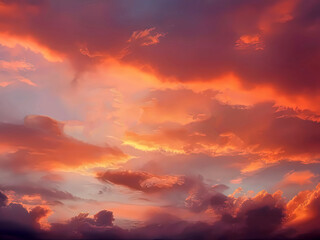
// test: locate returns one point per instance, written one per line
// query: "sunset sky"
(160, 119)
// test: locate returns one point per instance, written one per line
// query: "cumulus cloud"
(83, 226)
(263, 216)
(304, 211)
(16, 222)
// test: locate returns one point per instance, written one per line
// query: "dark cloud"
(190, 191)
(47, 193)
(145, 182)
(3, 200)
(264, 216)
(257, 218)
(17, 223)
(263, 221)
(38, 212)
(84, 227)
(104, 218)
(198, 40)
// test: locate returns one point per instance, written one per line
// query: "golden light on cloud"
(159, 120)
(11, 41)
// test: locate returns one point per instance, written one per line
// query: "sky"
(162, 119)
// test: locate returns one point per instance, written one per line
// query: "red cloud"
(37, 213)
(41, 144)
(297, 178)
(145, 37)
(143, 181)
(264, 130)
(304, 211)
(199, 43)
(196, 195)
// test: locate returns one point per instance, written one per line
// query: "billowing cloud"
(262, 216)
(304, 211)
(18, 223)
(83, 226)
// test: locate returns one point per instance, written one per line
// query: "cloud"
(83, 226)
(16, 65)
(249, 41)
(240, 219)
(37, 213)
(304, 211)
(3, 200)
(263, 216)
(297, 178)
(28, 81)
(14, 71)
(40, 144)
(104, 218)
(275, 133)
(145, 37)
(143, 181)
(191, 192)
(124, 55)
(51, 195)
(16, 222)
(201, 41)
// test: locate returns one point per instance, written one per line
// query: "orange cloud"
(16, 65)
(5, 84)
(263, 131)
(280, 12)
(38, 215)
(304, 211)
(41, 144)
(143, 181)
(29, 43)
(297, 178)
(249, 41)
(199, 47)
(236, 180)
(145, 37)
(28, 81)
